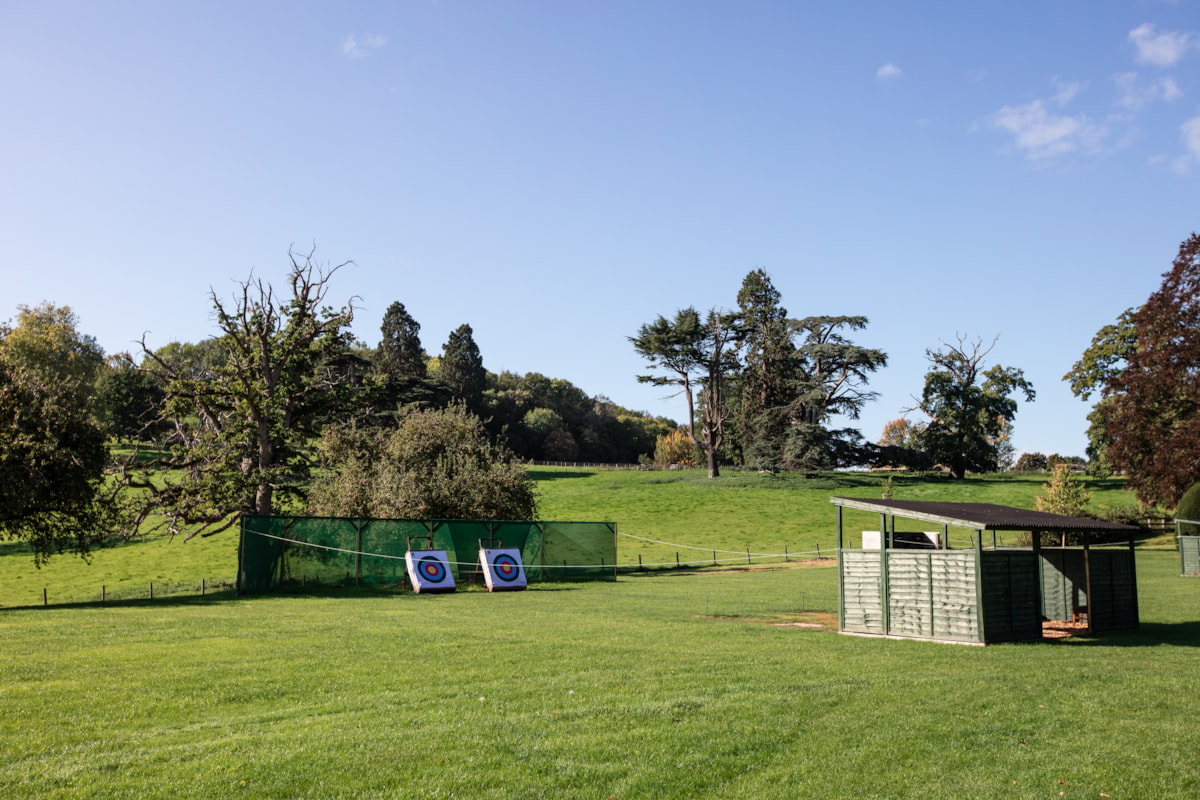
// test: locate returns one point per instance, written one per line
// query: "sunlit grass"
(667, 685)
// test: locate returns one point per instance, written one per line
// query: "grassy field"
(667, 684)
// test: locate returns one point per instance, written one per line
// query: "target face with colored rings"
(429, 571)
(506, 567)
(502, 569)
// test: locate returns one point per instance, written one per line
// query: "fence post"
(747, 555)
(45, 599)
(819, 552)
(676, 559)
(202, 587)
(714, 558)
(785, 553)
(151, 590)
(103, 593)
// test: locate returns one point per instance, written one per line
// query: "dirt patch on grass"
(811, 620)
(688, 572)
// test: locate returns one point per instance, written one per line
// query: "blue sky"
(556, 174)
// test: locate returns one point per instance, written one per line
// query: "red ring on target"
(506, 568)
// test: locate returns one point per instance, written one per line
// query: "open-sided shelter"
(985, 593)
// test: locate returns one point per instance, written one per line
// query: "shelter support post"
(885, 591)
(841, 583)
(979, 621)
(1133, 577)
(1089, 606)
(1036, 539)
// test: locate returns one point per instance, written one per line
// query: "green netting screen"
(333, 551)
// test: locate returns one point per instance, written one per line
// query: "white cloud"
(1066, 91)
(1190, 131)
(1134, 95)
(352, 47)
(1040, 134)
(1160, 49)
(888, 72)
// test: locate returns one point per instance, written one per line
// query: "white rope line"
(324, 547)
(743, 553)
(755, 556)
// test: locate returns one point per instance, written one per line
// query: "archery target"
(429, 571)
(502, 569)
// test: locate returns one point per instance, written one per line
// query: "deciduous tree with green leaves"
(1104, 360)
(969, 408)
(435, 465)
(52, 452)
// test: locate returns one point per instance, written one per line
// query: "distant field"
(766, 514)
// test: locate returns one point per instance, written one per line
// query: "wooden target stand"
(429, 569)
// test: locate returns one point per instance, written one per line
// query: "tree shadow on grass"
(298, 592)
(15, 549)
(541, 475)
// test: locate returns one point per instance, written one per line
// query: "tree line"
(764, 390)
(284, 411)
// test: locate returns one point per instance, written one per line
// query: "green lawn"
(665, 684)
(657, 686)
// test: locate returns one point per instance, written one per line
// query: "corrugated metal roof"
(979, 516)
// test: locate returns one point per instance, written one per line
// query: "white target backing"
(429, 571)
(502, 569)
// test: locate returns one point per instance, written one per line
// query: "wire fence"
(686, 556)
(126, 592)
